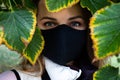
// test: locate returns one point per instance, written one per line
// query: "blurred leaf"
(94, 5)
(19, 27)
(8, 58)
(105, 31)
(116, 1)
(0, 2)
(35, 47)
(107, 73)
(17, 3)
(54, 6)
(114, 61)
(29, 4)
(6, 3)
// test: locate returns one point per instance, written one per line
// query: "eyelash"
(53, 24)
(50, 24)
(75, 24)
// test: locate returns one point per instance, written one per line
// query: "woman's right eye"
(50, 24)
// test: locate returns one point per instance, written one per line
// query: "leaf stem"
(119, 71)
(15, 2)
(10, 5)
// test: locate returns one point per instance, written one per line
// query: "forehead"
(71, 11)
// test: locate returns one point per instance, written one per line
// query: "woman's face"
(70, 16)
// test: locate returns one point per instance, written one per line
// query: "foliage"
(18, 30)
(35, 47)
(105, 36)
(107, 73)
(54, 6)
(105, 32)
(94, 5)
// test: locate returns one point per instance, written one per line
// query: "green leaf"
(8, 58)
(35, 47)
(19, 27)
(107, 73)
(94, 5)
(54, 6)
(105, 31)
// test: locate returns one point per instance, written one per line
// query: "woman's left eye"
(75, 24)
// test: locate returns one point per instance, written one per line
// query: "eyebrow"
(48, 18)
(75, 17)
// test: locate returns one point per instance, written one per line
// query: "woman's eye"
(75, 24)
(49, 24)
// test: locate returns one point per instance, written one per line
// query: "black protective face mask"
(64, 44)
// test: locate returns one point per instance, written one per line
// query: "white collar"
(59, 72)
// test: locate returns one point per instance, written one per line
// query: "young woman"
(65, 33)
(65, 54)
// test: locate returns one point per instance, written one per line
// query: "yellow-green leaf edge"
(97, 72)
(37, 53)
(92, 26)
(1, 36)
(2, 39)
(89, 8)
(94, 39)
(63, 7)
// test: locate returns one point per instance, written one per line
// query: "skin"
(70, 16)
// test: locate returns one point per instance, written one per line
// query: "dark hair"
(36, 2)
